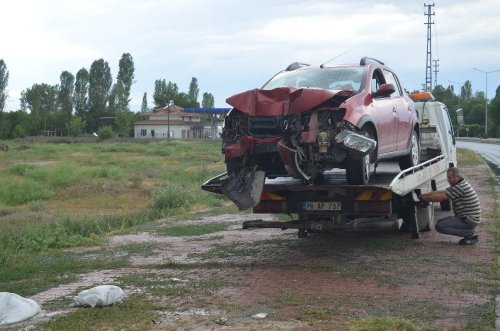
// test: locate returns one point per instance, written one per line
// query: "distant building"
(176, 122)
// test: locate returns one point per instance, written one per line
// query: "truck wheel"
(412, 158)
(358, 170)
(425, 217)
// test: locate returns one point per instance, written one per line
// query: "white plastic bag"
(14, 308)
(100, 296)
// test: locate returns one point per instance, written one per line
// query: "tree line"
(473, 109)
(83, 103)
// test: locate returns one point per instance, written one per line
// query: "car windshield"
(338, 78)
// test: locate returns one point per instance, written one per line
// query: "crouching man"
(465, 207)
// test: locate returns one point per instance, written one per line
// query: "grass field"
(64, 195)
(61, 203)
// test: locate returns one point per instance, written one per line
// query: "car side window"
(377, 80)
(391, 79)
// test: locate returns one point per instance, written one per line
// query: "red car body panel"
(281, 101)
(245, 144)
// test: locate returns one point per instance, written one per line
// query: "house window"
(152, 133)
(144, 132)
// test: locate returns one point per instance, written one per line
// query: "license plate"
(321, 205)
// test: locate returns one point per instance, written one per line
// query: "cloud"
(232, 46)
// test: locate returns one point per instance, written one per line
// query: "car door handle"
(394, 110)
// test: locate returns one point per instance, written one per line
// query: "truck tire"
(425, 217)
(358, 170)
(412, 158)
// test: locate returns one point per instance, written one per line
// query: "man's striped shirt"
(465, 201)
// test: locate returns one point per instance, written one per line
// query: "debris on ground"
(14, 308)
(100, 296)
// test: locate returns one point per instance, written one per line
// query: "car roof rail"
(296, 65)
(365, 59)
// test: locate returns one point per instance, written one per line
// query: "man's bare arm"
(434, 196)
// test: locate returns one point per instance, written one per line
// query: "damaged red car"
(309, 119)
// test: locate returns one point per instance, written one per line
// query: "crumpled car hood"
(282, 101)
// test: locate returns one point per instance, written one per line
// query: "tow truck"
(388, 201)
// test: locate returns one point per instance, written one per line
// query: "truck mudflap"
(244, 189)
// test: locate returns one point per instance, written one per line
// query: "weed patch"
(134, 313)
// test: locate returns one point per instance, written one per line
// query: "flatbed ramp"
(387, 175)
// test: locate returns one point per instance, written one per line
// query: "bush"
(19, 132)
(106, 132)
(18, 192)
(171, 197)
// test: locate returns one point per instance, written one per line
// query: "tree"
(144, 106)
(80, 97)
(193, 90)
(4, 80)
(118, 102)
(66, 90)
(14, 124)
(76, 126)
(494, 115)
(124, 124)
(182, 99)
(41, 100)
(466, 92)
(208, 100)
(126, 74)
(164, 92)
(100, 81)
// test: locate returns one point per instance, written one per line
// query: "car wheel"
(412, 158)
(358, 170)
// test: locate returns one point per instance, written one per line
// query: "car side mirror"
(385, 90)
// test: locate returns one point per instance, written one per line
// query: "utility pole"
(436, 70)
(428, 60)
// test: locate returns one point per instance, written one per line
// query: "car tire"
(412, 158)
(358, 170)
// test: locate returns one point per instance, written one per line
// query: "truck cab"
(437, 134)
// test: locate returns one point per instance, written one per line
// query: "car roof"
(364, 62)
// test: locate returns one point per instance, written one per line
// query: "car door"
(403, 109)
(384, 115)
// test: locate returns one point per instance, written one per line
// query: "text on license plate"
(321, 205)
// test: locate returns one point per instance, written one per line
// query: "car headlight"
(355, 142)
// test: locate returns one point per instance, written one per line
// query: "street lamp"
(168, 109)
(486, 107)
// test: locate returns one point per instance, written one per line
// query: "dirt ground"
(268, 279)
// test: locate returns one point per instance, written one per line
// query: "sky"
(233, 46)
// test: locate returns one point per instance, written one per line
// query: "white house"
(174, 120)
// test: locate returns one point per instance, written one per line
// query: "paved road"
(490, 152)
